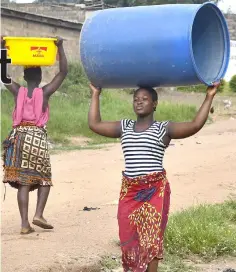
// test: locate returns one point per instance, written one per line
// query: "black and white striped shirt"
(143, 151)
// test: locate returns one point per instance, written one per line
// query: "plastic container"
(162, 45)
(31, 51)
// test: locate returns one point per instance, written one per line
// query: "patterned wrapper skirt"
(142, 217)
(26, 159)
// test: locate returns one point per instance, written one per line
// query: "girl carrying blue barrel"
(145, 192)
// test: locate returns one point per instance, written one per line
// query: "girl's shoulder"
(126, 123)
(162, 124)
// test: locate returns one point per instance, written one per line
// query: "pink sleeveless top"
(30, 109)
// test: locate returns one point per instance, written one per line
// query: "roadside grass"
(205, 231)
(69, 113)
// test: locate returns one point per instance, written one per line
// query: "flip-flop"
(42, 224)
(25, 231)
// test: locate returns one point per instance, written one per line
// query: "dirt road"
(200, 169)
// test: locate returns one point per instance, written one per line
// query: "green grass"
(69, 110)
(172, 263)
(205, 231)
(201, 88)
(195, 88)
(109, 262)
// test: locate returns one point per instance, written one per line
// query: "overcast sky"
(228, 4)
(224, 4)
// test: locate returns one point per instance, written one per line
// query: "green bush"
(232, 84)
(76, 76)
(223, 86)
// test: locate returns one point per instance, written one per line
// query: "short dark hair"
(150, 90)
(32, 72)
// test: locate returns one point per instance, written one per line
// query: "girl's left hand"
(212, 90)
(95, 90)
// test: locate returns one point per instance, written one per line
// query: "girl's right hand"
(212, 90)
(59, 41)
(94, 90)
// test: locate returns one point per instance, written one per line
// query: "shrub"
(232, 84)
(222, 86)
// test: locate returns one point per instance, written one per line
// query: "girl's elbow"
(64, 71)
(196, 127)
(93, 127)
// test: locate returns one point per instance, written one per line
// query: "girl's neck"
(145, 119)
(32, 85)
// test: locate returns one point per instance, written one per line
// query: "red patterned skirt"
(142, 217)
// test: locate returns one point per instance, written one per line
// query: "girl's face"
(142, 103)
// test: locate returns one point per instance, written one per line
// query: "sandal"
(27, 230)
(42, 224)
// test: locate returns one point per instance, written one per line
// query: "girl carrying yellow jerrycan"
(26, 158)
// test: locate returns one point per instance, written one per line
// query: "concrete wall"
(68, 12)
(23, 27)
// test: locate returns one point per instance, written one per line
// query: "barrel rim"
(226, 35)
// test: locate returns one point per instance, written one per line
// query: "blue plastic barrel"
(163, 45)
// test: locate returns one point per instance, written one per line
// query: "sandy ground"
(201, 169)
